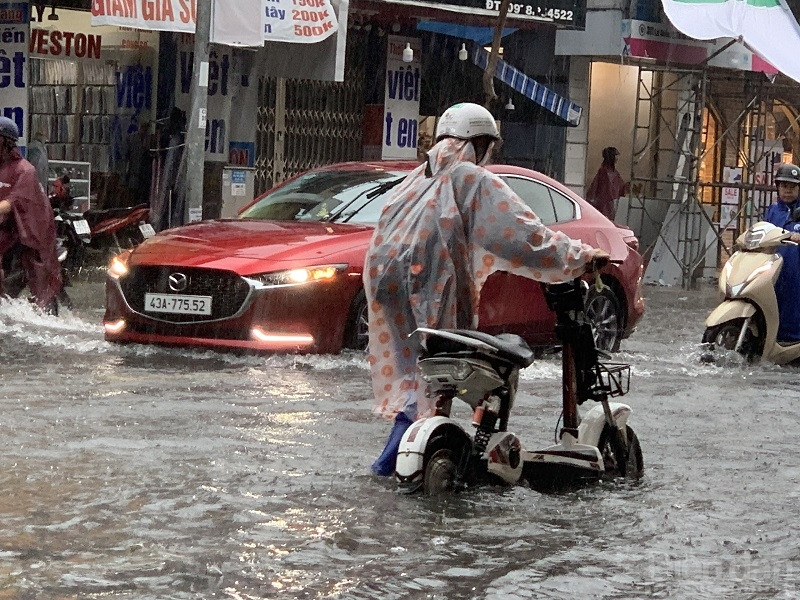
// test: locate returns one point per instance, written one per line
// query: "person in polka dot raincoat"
(445, 229)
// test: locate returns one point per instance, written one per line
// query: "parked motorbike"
(747, 319)
(74, 236)
(437, 455)
(116, 229)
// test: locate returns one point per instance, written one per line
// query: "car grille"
(227, 290)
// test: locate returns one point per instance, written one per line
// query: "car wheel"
(604, 312)
(357, 327)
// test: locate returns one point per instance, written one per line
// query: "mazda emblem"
(178, 282)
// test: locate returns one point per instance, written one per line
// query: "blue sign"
(13, 13)
(242, 154)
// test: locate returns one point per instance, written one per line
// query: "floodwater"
(141, 472)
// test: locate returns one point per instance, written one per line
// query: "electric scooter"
(747, 319)
(438, 456)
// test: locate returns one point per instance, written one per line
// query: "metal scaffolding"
(686, 119)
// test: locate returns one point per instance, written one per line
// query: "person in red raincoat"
(26, 219)
(607, 184)
(447, 227)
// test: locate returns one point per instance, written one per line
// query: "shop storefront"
(91, 94)
(701, 125)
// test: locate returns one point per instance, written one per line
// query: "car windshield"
(337, 196)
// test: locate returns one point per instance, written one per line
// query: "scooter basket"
(612, 379)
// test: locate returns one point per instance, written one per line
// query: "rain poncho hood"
(31, 224)
(446, 228)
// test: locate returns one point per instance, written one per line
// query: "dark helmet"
(788, 172)
(610, 154)
(8, 129)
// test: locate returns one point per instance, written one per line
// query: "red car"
(286, 275)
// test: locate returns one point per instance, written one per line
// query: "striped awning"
(530, 88)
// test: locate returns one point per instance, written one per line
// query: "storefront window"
(710, 158)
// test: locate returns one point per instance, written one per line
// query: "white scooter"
(438, 456)
(747, 319)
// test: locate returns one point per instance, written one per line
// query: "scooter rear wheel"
(440, 473)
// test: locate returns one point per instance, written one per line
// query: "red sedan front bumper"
(304, 319)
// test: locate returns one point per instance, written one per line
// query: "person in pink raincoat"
(445, 229)
(26, 219)
(607, 185)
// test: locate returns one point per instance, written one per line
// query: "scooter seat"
(508, 346)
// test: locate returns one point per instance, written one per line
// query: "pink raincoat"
(447, 227)
(30, 223)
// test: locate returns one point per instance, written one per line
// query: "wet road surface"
(142, 472)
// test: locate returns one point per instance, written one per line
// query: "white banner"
(238, 27)
(401, 104)
(161, 15)
(766, 26)
(234, 23)
(15, 25)
(301, 21)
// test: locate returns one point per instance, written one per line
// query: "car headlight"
(119, 265)
(298, 276)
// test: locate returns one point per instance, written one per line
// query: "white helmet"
(466, 121)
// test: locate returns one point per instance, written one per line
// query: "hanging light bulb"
(510, 105)
(408, 53)
(462, 54)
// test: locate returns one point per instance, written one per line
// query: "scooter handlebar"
(597, 263)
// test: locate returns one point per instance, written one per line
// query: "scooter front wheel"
(622, 458)
(726, 335)
(440, 473)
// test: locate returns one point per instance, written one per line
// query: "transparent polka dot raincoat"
(447, 227)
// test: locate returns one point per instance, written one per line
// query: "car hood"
(249, 246)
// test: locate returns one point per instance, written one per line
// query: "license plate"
(81, 227)
(177, 304)
(147, 230)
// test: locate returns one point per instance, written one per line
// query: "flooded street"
(142, 472)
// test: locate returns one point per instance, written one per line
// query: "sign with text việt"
(401, 100)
